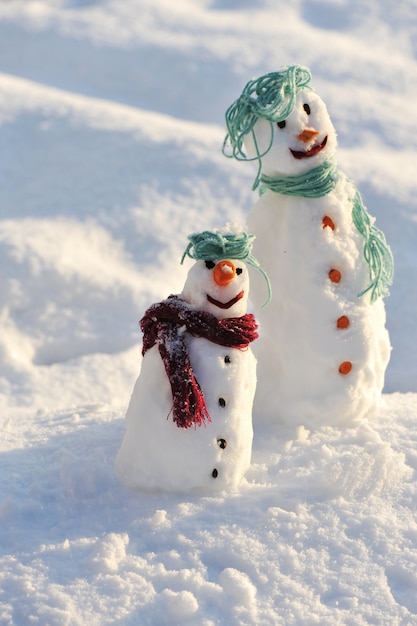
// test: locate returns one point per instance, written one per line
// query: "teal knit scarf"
(314, 183)
(317, 183)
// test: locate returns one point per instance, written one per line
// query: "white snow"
(111, 126)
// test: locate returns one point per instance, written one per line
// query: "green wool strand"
(270, 97)
(215, 245)
(314, 183)
(376, 251)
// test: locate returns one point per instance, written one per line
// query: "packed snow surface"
(111, 127)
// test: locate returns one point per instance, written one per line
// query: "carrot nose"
(308, 134)
(224, 272)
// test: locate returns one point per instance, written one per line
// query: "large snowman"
(189, 421)
(323, 346)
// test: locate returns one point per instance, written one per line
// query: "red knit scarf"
(164, 324)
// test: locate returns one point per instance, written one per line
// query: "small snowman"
(189, 421)
(323, 347)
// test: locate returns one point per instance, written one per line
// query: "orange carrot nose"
(224, 272)
(308, 134)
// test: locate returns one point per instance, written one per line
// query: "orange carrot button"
(328, 222)
(335, 276)
(345, 367)
(343, 322)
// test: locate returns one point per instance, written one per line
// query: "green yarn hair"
(217, 245)
(270, 97)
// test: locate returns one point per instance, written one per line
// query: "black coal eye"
(209, 264)
(282, 124)
(239, 270)
(307, 109)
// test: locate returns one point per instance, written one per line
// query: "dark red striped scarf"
(164, 324)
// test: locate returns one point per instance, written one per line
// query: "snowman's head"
(282, 123)
(219, 280)
(218, 286)
(303, 140)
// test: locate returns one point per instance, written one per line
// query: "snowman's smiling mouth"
(300, 154)
(226, 305)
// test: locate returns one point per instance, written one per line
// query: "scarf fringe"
(189, 405)
(376, 251)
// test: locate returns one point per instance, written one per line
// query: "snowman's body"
(155, 453)
(323, 348)
(301, 346)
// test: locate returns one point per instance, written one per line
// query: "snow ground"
(111, 125)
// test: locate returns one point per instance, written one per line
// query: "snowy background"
(111, 126)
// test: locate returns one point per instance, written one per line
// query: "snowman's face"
(218, 287)
(303, 141)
